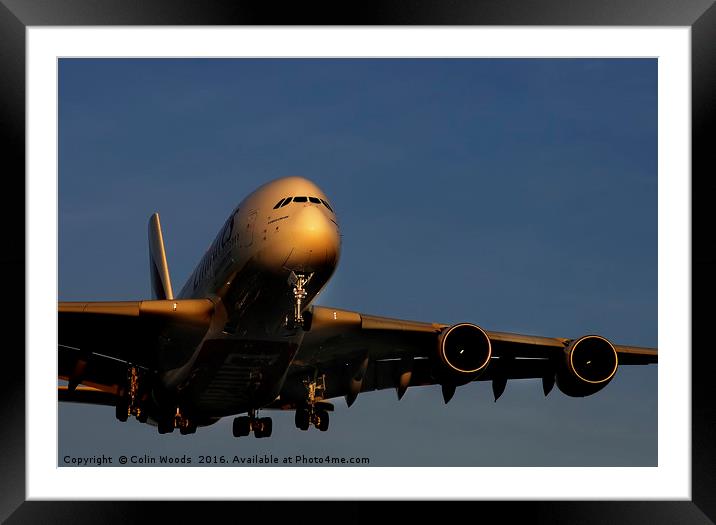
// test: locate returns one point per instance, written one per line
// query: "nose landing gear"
(298, 281)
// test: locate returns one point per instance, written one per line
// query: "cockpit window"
(314, 200)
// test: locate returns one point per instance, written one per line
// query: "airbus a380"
(242, 335)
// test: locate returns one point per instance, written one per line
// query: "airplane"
(242, 334)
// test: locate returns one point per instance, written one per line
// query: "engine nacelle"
(464, 351)
(589, 363)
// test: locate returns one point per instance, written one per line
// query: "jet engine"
(589, 363)
(464, 351)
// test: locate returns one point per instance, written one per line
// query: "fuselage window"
(278, 204)
(314, 200)
(288, 199)
(300, 199)
(326, 205)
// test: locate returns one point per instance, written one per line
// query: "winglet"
(158, 267)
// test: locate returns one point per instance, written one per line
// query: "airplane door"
(249, 229)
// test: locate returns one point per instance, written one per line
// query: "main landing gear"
(178, 420)
(313, 413)
(130, 402)
(260, 426)
(129, 398)
(298, 281)
(315, 416)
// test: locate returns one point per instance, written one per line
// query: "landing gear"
(189, 429)
(186, 426)
(166, 425)
(134, 407)
(320, 420)
(241, 426)
(299, 282)
(183, 423)
(313, 413)
(122, 407)
(303, 419)
(264, 428)
(244, 425)
(317, 417)
(129, 399)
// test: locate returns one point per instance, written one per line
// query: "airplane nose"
(311, 221)
(315, 240)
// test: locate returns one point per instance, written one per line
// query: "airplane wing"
(355, 353)
(97, 340)
(87, 395)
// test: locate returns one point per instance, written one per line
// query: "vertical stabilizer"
(158, 267)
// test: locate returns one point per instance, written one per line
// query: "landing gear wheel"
(303, 421)
(264, 426)
(143, 416)
(166, 426)
(241, 426)
(122, 408)
(321, 420)
(187, 428)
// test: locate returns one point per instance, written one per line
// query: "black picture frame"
(17, 15)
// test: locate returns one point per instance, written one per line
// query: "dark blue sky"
(520, 195)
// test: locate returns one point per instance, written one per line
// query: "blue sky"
(520, 195)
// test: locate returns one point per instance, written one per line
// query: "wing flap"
(91, 369)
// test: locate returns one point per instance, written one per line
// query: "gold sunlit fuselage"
(246, 271)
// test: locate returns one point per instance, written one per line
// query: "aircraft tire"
(241, 426)
(302, 420)
(190, 428)
(323, 419)
(122, 409)
(166, 426)
(266, 428)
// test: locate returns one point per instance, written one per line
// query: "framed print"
(300, 68)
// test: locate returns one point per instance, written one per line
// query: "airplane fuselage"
(283, 229)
